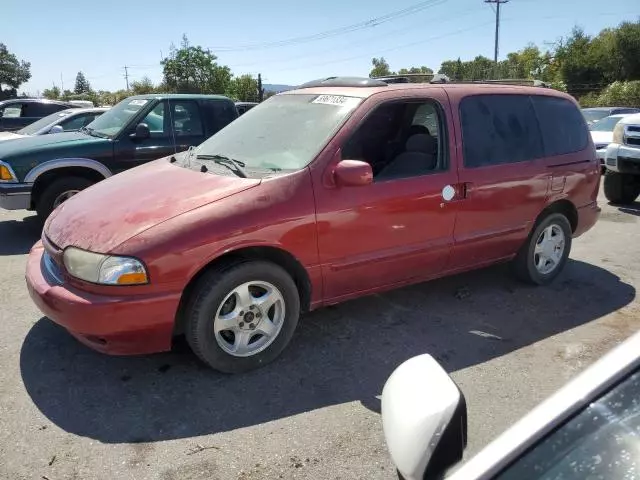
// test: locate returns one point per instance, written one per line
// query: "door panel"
(504, 180)
(395, 230)
(384, 233)
(130, 152)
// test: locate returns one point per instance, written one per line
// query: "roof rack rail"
(344, 82)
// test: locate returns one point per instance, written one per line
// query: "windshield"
(285, 132)
(115, 119)
(605, 125)
(33, 128)
(594, 115)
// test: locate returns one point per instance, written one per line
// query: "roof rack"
(436, 78)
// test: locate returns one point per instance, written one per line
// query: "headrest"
(421, 143)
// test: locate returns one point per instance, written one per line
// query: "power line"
(336, 31)
(498, 3)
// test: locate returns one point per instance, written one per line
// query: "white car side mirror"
(424, 417)
(56, 129)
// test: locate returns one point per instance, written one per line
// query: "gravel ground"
(69, 413)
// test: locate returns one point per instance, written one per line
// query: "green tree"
(52, 93)
(82, 84)
(380, 68)
(13, 72)
(192, 69)
(244, 89)
(142, 86)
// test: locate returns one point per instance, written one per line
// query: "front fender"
(49, 165)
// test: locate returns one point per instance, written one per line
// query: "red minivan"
(341, 188)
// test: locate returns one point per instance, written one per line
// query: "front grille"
(633, 141)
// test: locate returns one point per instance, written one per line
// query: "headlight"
(618, 133)
(104, 269)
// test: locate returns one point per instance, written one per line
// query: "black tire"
(208, 296)
(524, 263)
(45, 203)
(621, 188)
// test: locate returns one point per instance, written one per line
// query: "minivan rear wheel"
(546, 251)
(241, 317)
(621, 188)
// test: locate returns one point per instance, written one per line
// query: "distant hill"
(273, 87)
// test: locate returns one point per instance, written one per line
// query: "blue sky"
(70, 36)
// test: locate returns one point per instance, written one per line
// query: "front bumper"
(15, 196)
(113, 324)
(623, 158)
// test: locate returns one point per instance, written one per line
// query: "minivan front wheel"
(546, 251)
(243, 316)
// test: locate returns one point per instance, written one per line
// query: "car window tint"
(562, 125)
(186, 118)
(73, 124)
(602, 442)
(399, 140)
(499, 129)
(12, 111)
(155, 120)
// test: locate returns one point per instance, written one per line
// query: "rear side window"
(562, 125)
(499, 129)
(220, 114)
(36, 109)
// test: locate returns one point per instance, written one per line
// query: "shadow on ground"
(338, 355)
(633, 209)
(18, 236)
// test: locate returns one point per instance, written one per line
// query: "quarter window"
(499, 129)
(562, 125)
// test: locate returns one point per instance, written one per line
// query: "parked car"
(20, 112)
(40, 172)
(587, 430)
(622, 159)
(602, 134)
(244, 107)
(597, 113)
(317, 195)
(70, 120)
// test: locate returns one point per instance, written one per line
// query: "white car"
(602, 133)
(589, 429)
(69, 120)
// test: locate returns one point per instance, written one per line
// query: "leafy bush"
(618, 94)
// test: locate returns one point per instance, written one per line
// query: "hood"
(41, 142)
(111, 212)
(600, 138)
(9, 136)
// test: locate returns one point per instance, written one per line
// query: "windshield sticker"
(337, 100)
(138, 103)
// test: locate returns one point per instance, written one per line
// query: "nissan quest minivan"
(341, 188)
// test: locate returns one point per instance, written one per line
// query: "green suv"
(38, 173)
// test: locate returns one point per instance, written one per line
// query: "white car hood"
(602, 137)
(9, 136)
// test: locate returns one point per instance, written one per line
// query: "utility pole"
(61, 83)
(260, 89)
(126, 76)
(498, 3)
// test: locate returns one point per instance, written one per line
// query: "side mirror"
(142, 132)
(353, 173)
(424, 418)
(56, 129)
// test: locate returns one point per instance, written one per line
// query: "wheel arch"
(276, 255)
(563, 206)
(46, 172)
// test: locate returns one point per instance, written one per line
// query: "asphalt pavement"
(67, 412)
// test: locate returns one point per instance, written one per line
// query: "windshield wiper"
(232, 164)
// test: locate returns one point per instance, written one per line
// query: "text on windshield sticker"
(337, 100)
(138, 103)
